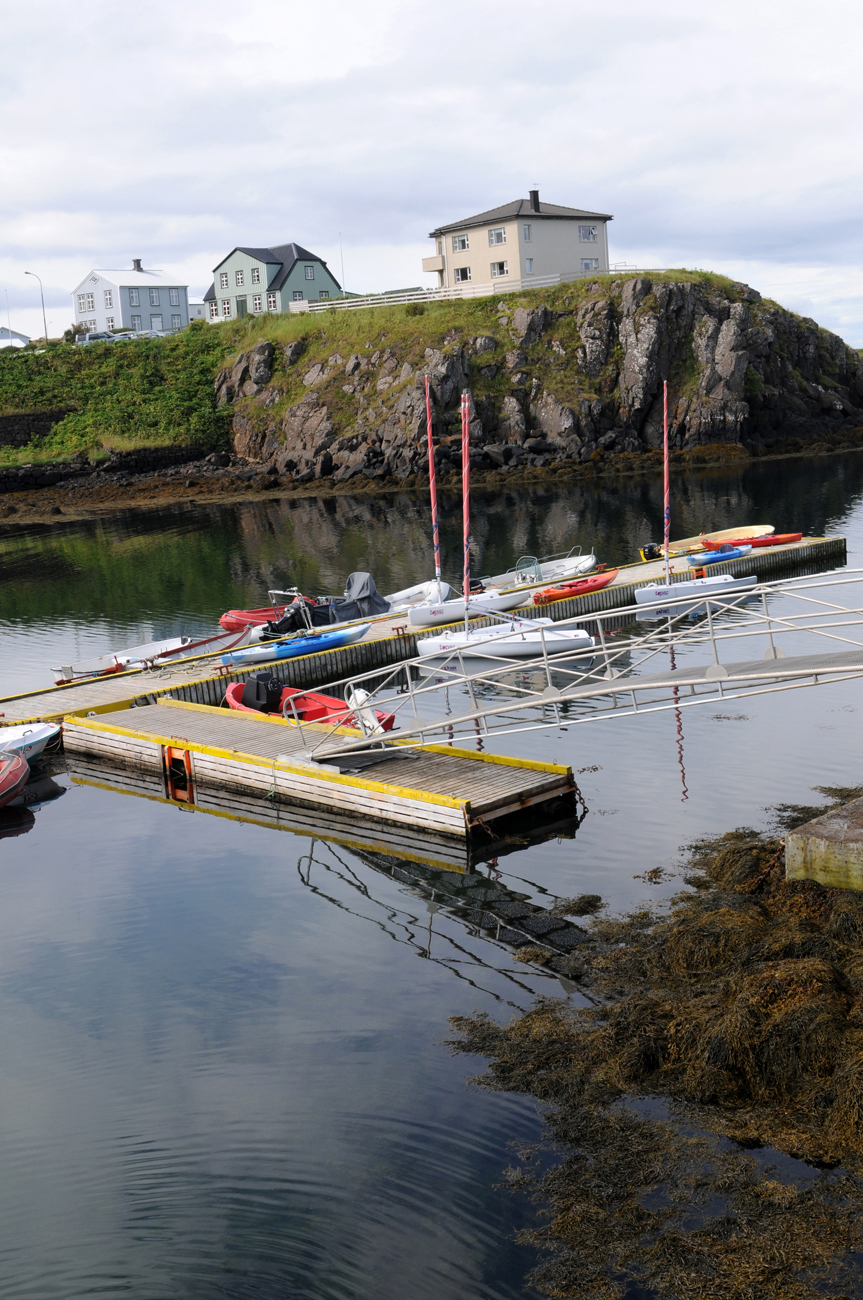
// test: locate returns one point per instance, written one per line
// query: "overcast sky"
(722, 136)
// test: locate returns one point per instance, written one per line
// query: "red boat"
(579, 587)
(237, 620)
(773, 539)
(14, 773)
(309, 706)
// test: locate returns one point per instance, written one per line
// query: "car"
(95, 336)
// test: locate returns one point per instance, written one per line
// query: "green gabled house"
(250, 281)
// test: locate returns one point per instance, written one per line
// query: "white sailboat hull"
(450, 611)
(719, 584)
(521, 639)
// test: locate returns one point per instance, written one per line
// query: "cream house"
(518, 243)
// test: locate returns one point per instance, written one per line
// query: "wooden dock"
(204, 680)
(436, 787)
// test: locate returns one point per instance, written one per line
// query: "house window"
(174, 295)
(90, 325)
(136, 323)
(86, 302)
(256, 302)
(271, 301)
(134, 298)
(499, 268)
(462, 273)
(527, 234)
(310, 273)
(223, 280)
(497, 236)
(156, 321)
(528, 266)
(176, 322)
(109, 299)
(587, 234)
(214, 311)
(324, 293)
(238, 276)
(154, 297)
(256, 275)
(590, 264)
(460, 243)
(226, 306)
(297, 295)
(109, 322)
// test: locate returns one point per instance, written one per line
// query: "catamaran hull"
(721, 584)
(525, 641)
(434, 615)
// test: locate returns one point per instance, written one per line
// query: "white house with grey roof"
(136, 299)
(250, 281)
(518, 244)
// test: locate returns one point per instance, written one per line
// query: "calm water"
(221, 1060)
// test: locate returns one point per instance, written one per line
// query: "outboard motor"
(293, 619)
(651, 551)
(263, 693)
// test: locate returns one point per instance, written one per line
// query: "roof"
(285, 256)
(522, 208)
(123, 278)
(11, 336)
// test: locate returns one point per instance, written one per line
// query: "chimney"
(136, 263)
(534, 200)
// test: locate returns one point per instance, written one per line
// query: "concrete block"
(828, 849)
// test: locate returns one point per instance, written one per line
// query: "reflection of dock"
(436, 787)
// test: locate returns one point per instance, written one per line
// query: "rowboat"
(304, 706)
(528, 571)
(168, 650)
(718, 584)
(579, 588)
(727, 552)
(300, 643)
(27, 740)
(778, 539)
(519, 639)
(452, 611)
(13, 777)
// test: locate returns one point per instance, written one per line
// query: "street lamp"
(42, 296)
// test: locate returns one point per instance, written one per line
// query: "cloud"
(719, 136)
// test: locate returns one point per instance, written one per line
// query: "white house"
(520, 242)
(11, 338)
(135, 300)
(197, 309)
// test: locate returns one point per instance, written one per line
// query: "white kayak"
(665, 593)
(552, 568)
(29, 739)
(435, 613)
(168, 650)
(518, 639)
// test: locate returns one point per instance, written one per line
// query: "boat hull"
(716, 557)
(522, 640)
(27, 740)
(721, 584)
(778, 539)
(579, 588)
(451, 611)
(300, 644)
(155, 652)
(308, 706)
(14, 773)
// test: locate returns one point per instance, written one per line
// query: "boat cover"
(362, 598)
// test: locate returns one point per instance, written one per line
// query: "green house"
(250, 281)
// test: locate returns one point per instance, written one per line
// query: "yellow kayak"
(688, 545)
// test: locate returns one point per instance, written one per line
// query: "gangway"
(780, 636)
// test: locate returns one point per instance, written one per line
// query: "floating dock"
(449, 791)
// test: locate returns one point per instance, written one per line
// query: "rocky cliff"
(573, 378)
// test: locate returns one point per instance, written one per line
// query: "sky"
(721, 136)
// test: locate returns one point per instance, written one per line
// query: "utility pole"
(42, 296)
(342, 256)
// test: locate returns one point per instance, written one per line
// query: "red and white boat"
(580, 588)
(14, 774)
(311, 706)
(154, 654)
(776, 539)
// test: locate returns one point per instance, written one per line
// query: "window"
(90, 325)
(462, 273)
(174, 295)
(223, 280)
(590, 264)
(256, 275)
(109, 299)
(226, 306)
(176, 322)
(324, 293)
(587, 234)
(310, 273)
(460, 243)
(134, 298)
(154, 297)
(527, 234)
(528, 266)
(86, 302)
(214, 310)
(109, 322)
(271, 301)
(238, 276)
(499, 268)
(156, 321)
(497, 236)
(297, 295)
(256, 302)
(136, 322)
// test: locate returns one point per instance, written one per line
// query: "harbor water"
(222, 1059)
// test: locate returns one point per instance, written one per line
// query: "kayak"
(717, 557)
(578, 588)
(300, 643)
(27, 740)
(778, 539)
(520, 639)
(743, 533)
(13, 777)
(154, 652)
(306, 706)
(718, 584)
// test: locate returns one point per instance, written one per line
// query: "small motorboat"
(14, 773)
(777, 539)
(154, 652)
(263, 694)
(580, 587)
(27, 739)
(665, 593)
(452, 611)
(528, 571)
(299, 643)
(519, 639)
(727, 552)
(325, 611)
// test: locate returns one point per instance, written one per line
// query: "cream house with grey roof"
(522, 242)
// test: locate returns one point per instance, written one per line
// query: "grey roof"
(211, 293)
(521, 208)
(285, 256)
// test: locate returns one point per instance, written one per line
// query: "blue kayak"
(716, 557)
(302, 643)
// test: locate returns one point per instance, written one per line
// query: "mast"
(433, 491)
(465, 495)
(666, 486)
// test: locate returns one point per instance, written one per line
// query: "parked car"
(95, 336)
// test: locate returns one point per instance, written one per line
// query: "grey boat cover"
(362, 598)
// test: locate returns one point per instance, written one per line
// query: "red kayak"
(14, 773)
(775, 539)
(579, 587)
(309, 706)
